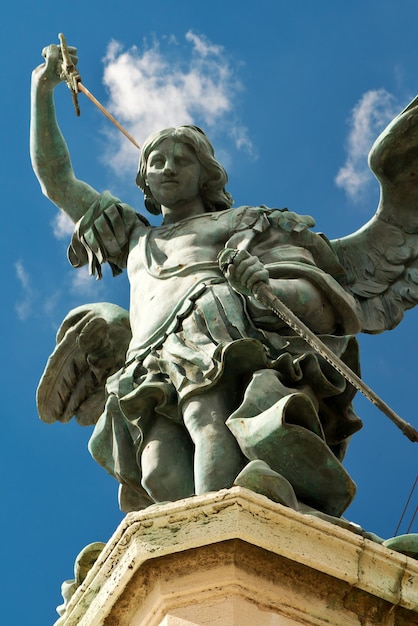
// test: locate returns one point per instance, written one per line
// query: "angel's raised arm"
(49, 153)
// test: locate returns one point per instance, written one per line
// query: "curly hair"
(213, 178)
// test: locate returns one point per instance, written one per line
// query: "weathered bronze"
(201, 387)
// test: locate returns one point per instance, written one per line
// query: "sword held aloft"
(70, 75)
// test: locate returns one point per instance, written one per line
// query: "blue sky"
(292, 95)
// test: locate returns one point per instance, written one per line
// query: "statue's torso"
(169, 265)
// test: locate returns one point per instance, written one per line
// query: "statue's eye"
(157, 161)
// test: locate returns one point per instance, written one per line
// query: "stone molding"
(238, 532)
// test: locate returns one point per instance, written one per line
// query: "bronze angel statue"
(201, 386)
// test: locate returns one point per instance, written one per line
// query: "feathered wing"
(381, 259)
(91, 345)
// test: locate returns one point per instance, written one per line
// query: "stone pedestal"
(235, 558)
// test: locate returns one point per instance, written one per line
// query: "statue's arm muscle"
(49, 153)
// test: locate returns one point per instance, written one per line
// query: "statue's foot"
(287, 437)
(407, 544)
(259, 477)
(340, 521)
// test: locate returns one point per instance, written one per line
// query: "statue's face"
(173, 173)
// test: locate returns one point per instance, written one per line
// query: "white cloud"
(24, 306)
(152, 88)
(63, 226)
(33, 302)
(83, 283)
(203, 45)
(370, 115)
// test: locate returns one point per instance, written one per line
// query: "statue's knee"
(152, 478)
(163, 484)
(165, 477)
(152, 469)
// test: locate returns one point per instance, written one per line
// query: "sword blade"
(72, 78)
(266, 297)
(105, 112)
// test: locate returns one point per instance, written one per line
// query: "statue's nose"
(169, 169)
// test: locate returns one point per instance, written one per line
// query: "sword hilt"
(69, 73)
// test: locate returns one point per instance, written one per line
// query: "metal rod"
(406, 505)
(412, 520)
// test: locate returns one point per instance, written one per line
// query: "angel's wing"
(381, 259)
(91, 345)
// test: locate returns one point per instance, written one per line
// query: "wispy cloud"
(36, 301)
(80, 281)
(24, 306)
(190, 83)
(83, 283)
(370, 115)
(62, 226)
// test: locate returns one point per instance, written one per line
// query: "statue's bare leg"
(218, 458)
(167, 461)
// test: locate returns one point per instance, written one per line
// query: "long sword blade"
(265, 296)
(73, 80)
(109, 116)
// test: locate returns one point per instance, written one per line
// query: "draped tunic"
(190, 329)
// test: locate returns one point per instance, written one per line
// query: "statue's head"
(213, 177)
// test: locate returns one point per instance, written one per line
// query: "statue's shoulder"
(246, 216)
(267, 217)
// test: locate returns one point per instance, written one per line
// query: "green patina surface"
(200, 386)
